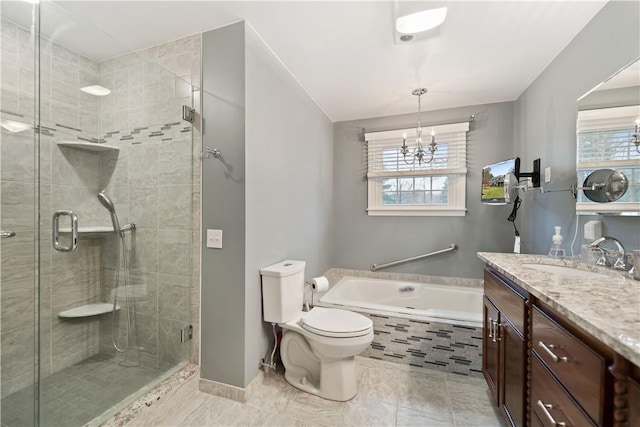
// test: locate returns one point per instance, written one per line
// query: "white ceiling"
(344, 55)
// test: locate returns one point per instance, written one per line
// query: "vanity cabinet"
(544, 370)
(579, 369)
(505, 346)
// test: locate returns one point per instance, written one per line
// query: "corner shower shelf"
(88, 146)
(88, 310)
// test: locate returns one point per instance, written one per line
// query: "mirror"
(510, 187)
(605, 185)
(608, 145)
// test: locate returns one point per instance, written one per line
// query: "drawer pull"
(549, 349)
(545, 408)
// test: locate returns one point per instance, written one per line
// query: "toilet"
(318, 347)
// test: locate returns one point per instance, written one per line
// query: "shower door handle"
(55, 230)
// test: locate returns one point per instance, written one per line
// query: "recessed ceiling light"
(13, 126)
(421, 21)
(96, 90)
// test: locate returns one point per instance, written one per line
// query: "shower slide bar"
(452, 248)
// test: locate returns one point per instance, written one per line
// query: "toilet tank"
(282, 291)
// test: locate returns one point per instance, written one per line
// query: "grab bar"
(452, 248)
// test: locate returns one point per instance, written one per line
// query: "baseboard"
(232, 392)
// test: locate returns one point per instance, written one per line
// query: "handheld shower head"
(106, 201)
(108, 204)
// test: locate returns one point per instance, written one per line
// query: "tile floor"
(389, 394)
(77, 394)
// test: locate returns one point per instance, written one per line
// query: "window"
(429, 189)
(604, 141)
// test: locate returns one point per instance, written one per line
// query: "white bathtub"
(442, 303)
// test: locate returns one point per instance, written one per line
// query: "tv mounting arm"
(535, 175)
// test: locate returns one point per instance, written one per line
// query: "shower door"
(86, 328)
(18, 214)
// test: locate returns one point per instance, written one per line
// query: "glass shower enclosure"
(96, 217)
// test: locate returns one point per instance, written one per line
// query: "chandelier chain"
(419, 152)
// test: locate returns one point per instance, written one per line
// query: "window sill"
(415, 212)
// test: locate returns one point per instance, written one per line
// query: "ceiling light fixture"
(13, 126)
(418, 152)
(96, 90)
(421, 21)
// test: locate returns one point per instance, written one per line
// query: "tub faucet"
(620, 262)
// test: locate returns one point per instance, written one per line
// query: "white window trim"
(457, 182)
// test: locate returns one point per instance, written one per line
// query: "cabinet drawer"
(578, 368)
(558, 405)
(507, 301)
(535, 421)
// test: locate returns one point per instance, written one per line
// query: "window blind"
(385, 159)
(604, 137)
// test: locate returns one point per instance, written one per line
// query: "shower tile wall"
(150, 167)
(67, 177)
(17, 272)
(154, 181)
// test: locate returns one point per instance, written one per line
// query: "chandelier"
(418, 152)
(636, 137)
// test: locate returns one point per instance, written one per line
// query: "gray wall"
(289, 153)
(360, 240)
(619, 97)
(271, 193)
(545, 123)
(223, 206)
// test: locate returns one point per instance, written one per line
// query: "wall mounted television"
(493, 181)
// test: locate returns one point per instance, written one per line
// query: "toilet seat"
(335, 323)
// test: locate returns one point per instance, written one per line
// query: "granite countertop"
(606, 307)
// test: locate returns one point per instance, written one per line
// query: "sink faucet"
(620, 263)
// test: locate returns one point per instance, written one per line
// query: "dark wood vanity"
(545, 370)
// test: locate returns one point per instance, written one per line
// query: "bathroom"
(287, 181)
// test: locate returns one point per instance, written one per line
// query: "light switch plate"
(547, 175)
(214, 239)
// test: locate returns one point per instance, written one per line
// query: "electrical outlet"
(593, 230)
(547, 175)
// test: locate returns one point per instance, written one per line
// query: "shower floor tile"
(77, 394)
(389, 394)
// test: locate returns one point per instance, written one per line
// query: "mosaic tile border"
(450, 348)
(160, 132)
(149, 398)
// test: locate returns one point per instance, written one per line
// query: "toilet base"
(329, 378)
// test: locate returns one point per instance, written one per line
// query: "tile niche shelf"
(92, 229)
(88, 310)
(88, 146)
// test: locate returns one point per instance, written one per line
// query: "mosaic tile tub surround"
(450, 348)
(420, 342)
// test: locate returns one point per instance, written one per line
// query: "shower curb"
(169, 384)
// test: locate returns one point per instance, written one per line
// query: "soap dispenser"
(557, 251)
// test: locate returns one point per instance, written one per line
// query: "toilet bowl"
(318, 347)
(318, 351)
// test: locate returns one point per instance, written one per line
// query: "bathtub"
(419, 324)
(445, 303)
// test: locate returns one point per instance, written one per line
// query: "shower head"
(108, 204)
(106, 201)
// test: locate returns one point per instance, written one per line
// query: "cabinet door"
(634, 402)
(490, 348)
(513, 380)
